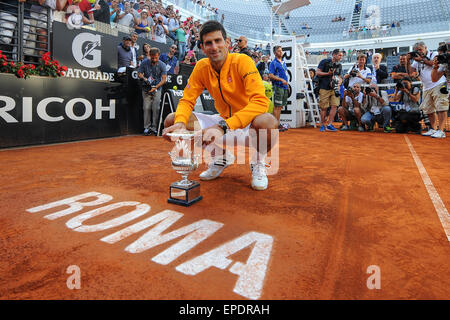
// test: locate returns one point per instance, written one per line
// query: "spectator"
(181, 38)
(195, 43)
(359, 73)
(379, 71)
(408, 117)
(142, 26)
(190, 59)
(401, 70)
(173, 26)
(145, 52)
(377, 109)
(329, 95)
(102, 14)
(114, 10)
(263, 66)
(352, 107)
(242, 44)
(8, 19)
(126, 17)
(134, 47)
(153, 72)
(170, 60)
(39, 21)
(124, 54)
(222, 19)
(434, 100)
(160, 31)
(278, 75)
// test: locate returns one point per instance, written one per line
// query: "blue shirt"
(279, 69)
(170, 63)
(154, 72)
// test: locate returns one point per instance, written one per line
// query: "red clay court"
(340, 203)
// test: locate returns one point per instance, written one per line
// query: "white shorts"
(209, 120)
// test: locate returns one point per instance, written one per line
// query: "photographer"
(377, 109)
(408, 113)
(359, 73)
(435, 94)
(401, 70)
(160, 30)
(329, 73)
(440, 66)
(153, 74)
(351, 107)
(379, 71)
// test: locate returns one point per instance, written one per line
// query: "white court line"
(441, 210)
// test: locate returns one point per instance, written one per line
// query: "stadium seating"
(252, 17)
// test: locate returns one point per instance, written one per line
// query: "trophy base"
(184, 195)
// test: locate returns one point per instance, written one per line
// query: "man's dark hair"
(336, 51)
(211, 26)
(154, 51)
(276, 48)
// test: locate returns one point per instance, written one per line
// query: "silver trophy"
(184, 161)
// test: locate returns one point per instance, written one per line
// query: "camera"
(414, 54)
(354, 73)
(335, 86)
(443, 58)
(351, 91)
(368, 90)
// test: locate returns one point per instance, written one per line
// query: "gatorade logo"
(84, 50)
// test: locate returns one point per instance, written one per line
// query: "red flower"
(64, 68)
(32, 67)
(5, 64)
(20, 73)
(12, 64)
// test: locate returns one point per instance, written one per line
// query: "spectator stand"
(19, 39)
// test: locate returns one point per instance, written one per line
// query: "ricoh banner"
(288, 44)
(90, 55)
(42, 110)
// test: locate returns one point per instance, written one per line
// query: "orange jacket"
(239, 96)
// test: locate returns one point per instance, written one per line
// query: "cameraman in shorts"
(351, 107)
(435, 94)
(378, 110)
(329, 73)
(408, 113)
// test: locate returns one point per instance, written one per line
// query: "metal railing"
(24, 32)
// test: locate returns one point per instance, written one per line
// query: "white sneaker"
(217, 165)
(439, 134)
(429, 133)
(259, 176)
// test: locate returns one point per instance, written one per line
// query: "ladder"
(305, 84)
(355, 21)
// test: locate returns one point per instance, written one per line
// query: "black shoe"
(153, 132)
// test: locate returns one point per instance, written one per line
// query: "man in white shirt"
(359, 73)
(434, 100)
(160, 30)
(351, 107)
(126, 18)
